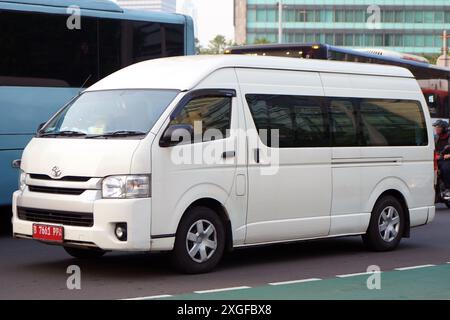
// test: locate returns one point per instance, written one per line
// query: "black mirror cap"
(16, 163)
(40, 127)
(184, 132)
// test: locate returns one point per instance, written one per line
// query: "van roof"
(184, 73)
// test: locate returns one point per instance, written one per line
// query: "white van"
(198, 155)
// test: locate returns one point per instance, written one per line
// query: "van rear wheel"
(386, 225)
(199, 242)
(84, 253)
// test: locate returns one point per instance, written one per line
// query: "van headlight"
(125, 187)
(22, 180)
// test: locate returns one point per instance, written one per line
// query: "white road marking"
(415, 267)
(222, 289)
(355, 274)
(293, 281)
(151, 297)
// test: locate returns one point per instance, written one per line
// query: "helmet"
(442, 124)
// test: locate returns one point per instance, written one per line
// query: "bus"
(433, 80)
(52, 49)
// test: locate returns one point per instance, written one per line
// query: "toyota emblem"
(56, 173)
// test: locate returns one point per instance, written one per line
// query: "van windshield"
(112, 113)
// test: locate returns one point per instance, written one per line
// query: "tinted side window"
(147, 39)
(111, 57)
(174, 34)
(393, 123)
(212, 114)
(344, 123)
(39, 50)
(154, 40)
(300, 120)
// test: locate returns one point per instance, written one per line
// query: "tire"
(205, 226)
(82, 253)
(447, 203)
(386, 213)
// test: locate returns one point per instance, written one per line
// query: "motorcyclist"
(442, 149)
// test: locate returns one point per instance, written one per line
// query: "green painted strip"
(424, 283)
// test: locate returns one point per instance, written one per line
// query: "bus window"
(147, 38)
(48, 54)
(174, 37)
(110, 49)
(437, 101)
(433, 104)
(54, 56)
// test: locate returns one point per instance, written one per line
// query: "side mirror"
(16, 163)
(177, 134)
(40, 127)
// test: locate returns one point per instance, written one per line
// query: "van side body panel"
(375, 170)
(289, 188)
(177, 185)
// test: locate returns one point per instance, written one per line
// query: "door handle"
(228, 154)
(257, 155)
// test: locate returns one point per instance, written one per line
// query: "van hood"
(79, 157)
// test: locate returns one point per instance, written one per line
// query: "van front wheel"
(199, 242)
(386, 225)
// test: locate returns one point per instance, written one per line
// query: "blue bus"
(49, 52)
(433, 80)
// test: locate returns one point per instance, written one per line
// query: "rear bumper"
(136, 213)
(421, 216)
(431, 214)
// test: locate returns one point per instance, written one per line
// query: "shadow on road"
(5, 222)
(157, 265)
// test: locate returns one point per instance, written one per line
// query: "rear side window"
(393, 123)
(307, 121)
(300, 120)
(344, 122)
(211, 114)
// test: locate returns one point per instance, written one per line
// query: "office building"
(411, 26)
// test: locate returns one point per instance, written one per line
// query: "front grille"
(67, 178)
(79, 219)
(54, 190)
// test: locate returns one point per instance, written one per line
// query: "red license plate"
(48, 233)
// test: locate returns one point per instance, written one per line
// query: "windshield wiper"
(121, 133)
(65, 133)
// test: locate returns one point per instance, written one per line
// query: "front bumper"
(107, 213)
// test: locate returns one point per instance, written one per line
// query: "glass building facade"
(413, 26)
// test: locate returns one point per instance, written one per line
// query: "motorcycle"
(439, 184)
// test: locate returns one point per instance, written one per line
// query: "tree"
(261, 41)
(217, 45)
(198, 46)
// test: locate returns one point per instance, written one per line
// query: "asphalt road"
(32, 270)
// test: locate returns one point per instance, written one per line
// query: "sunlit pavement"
(31, 270)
